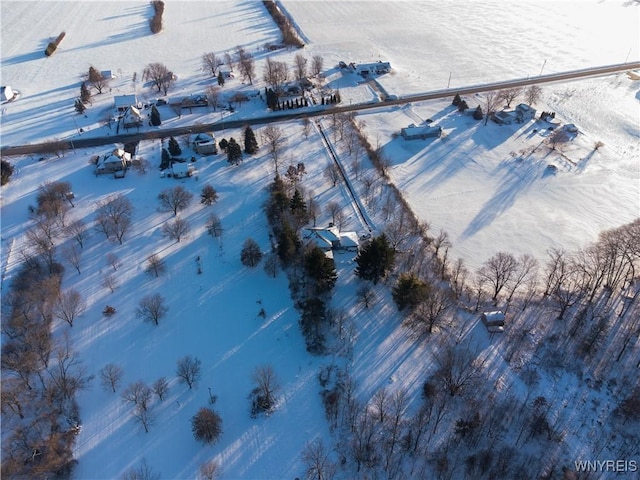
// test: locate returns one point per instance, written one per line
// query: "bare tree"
(110, 282)
(210, 470)
(498, 272)
(214, 226)
(509, 95)
(228, 60)
(155, 265)
(111, 376)
(366, 296)
(380, 403)
(142, 472)
(363, 445)
(317, 65)
(213, 93)
(441, 241)
(318, 465)
(176, 229)
(533, 94)
(43, 246)
(159, 75)
(246, 65)
(113, 217)
(152, 308)
(97, 80)
(299, 66)
(72, 255)
(189, 370)
(458, 370)
(69, 306)
(210, 63)
(175, 199)
(558, 137)
(266, 387)
(526, 270)
(271, 265)
(332, 173)
(492, 102)
(306, 127)
(458, 279)
(206, 425)
(160, 387)
(335, 210)
(275, 75)
(275, 140)
(67, 374)
(78, 231)
(430, 312)
(139, 394)
(393, 428)
(113, 261)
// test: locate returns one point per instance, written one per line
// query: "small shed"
(123, 102)
(421, 133)
(494, 321)
(182, 169)
(6, 94)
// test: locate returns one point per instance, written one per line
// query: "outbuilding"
(494, 321)
(7, 94)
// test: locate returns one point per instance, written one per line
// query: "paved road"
(324, 110)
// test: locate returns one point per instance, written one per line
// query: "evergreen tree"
(320, 270)
(288, 244)
(220, 79)
(85, 94)
(250, 142)
(223, 144)
(462, 106)
(297, 203)
(80, 108)
(166, 160)
(174, 147)
(155, 116)
(251, 254)
(409, 291)
(477, 114)
(375, 259)
(209, 196)
(456, 100)
(234, 152)
(6, 170)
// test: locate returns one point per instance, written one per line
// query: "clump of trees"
(289, 35)
(160, 76)
(156, 21)
(53, 46)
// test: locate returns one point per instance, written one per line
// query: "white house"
(420, 133)
(377, 68)
(116, 161)
(122, 102)
(494, 321)
(204, 144)
(182, 169)
(6, 94)
(331, 238)
(132, 117)
(522, 113)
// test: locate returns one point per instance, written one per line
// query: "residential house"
(182, 169)
(204, 144)
(523, 113)
(378, 68)
(494, 321)
(132, 117)
(421, 133)
(331, 238)
(123, 102)
(116, 161)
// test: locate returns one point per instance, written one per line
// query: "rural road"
(324, 110)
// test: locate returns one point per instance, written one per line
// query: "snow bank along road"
(323, 110)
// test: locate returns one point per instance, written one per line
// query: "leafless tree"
(335, 210)
(271, 265)
(214, 226)
(332, 173)
(306, 127)
(267, 386)
(72, 255)
(318, 465)
(69, 306)
(458, 279)
(113, 261)
(363, 441)
(97, 80)
(155, 265)
(525, 270)
(393, 428)
(139, 394)
(152, 308)
(492, 102)
(509, 95)
(498, 272)
(366, 296)
(142, 472)
(189, 370)
(160, 387)
(533, 94)
(160, 76)
(299, 66)
(275, 140)
(141, 166)
(67, 374)
(458, 370)
(175, 199)
(144, 416)
(111, 376)
(110, 282)
(78, 231)
(228, 60)
(430, 312)
(246, 65)
(398, 231)
(113, 217)
(213, 93)
(210, 63)
(275, 75)
(176, 229)
(441, 241)
(210, 470)
(317, 65)
(555, 267)
(558, 137)
(206, 425)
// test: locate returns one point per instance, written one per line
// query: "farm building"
(6, 94)
(116, 161)
(123, 102)
(420, 133)
(378, 68)
(494, 321)
(331, 238)
(522, 113)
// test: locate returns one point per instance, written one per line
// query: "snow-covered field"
(487, 186)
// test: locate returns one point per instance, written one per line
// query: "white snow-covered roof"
(6, 93)
(124, 101)
(349, 240)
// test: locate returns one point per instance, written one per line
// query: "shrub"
(6, 170)
(206, 425)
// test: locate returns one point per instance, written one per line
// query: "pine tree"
(456, 100)
(409, 291)
(234, 152)
(220, 79)
(477, 114)
(174, 147)
(155, 116)
(80, 108)
(297, 203)
(166, 160)
(85, 94)
(250, 142)
(223, 144)
(320, 270)
(375, 259)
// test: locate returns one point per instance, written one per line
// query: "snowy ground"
(475, 183)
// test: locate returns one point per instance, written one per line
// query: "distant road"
(82, 142)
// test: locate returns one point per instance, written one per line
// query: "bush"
(250, 255)
(6, 170)
(206, 425)
(50, 49)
